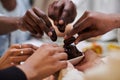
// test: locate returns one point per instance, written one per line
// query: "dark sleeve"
(12, 73)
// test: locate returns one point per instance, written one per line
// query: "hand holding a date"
(62, 12)
(37, 22)
(92, 24)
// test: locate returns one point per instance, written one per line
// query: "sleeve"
(12, 73)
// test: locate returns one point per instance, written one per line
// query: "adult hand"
(47, 60)
(62, 12)
(9, 5)
(90, 59)
(92, 24)
(13, 55)
(37, 22)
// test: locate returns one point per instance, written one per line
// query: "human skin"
(13, 55)
(90, 60)
(9, 5)
(62, 12)
(34, 21)
(47, 60)
(92, 24)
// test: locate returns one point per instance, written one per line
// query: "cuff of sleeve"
(12, 73)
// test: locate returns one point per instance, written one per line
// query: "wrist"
(19, 24)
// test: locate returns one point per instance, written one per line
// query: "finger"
(16, 46)
(27, 23)
(42, 15)
(25, 51)
(49, 44)
(61, 56)
(55, 50)
(67, 16)
(62, 65)
(18, 59)
(49, 30)
(34, 21)
(79, 27)
(51, 11)
(58, 49)
(58, 8)
(29, 46)
(85, 35)
(82, 17)
(41, 33)
(54, 45)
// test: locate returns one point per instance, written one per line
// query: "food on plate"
(70, 49)
(69, 41)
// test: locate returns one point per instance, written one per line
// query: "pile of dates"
(70, 49)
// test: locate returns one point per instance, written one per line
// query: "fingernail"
(55, 22)
(61, 22)
(49, 33)
(65, 37)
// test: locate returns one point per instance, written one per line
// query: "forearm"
(8, 24)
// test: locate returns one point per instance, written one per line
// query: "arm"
(8, 24)
(39, 65)
(16, 54)
(92, 24)
(34, 21)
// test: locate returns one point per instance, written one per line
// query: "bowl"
(76, 60)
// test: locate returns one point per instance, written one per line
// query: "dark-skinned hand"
(62, 12)
(92, 24)
(37, 22)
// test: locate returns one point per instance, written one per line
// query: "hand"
(13, 55)
(47, 60)
(37, 22)
(90, 59)
(92, 24)
(9, 5)
(62, 12)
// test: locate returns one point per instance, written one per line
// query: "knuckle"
(87, 12)
(66, 56)
(90, 16)
(28, 12)
(13, 45)
(30, 50)
(28, 45)
(62, 65)
(34, 8)
(56, 7)
(10, 59)
(44, 45)
(11, 51)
